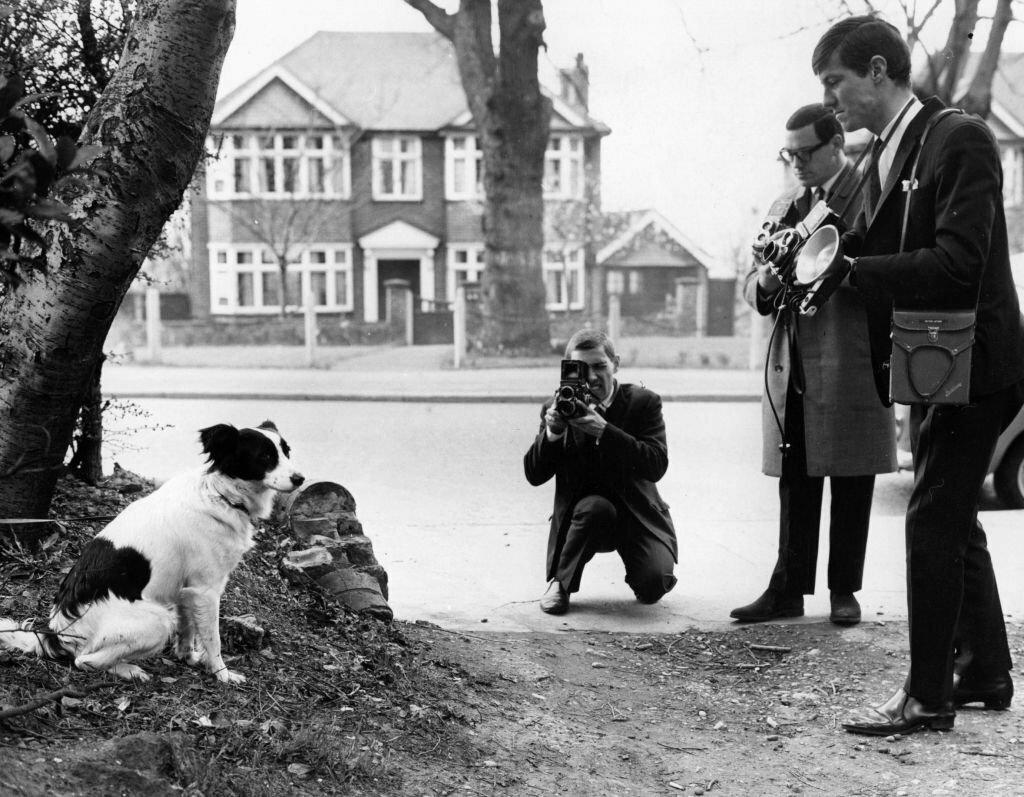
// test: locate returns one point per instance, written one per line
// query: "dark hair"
(588, 339)
(824, 120)
(857, 40)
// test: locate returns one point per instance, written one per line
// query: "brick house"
(360, 168)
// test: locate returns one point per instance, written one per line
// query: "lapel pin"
(906, 185)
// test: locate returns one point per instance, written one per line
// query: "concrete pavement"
(484, 572)
(420, 373)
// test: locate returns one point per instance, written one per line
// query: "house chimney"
(576, 83)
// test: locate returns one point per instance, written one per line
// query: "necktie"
(874, 180)
(816, 196)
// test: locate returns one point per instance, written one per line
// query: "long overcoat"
(848, 432)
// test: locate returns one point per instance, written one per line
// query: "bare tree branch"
(978, 98)
(53, 697)
(442, 21)
(91, 59)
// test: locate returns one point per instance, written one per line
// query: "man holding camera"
(820, 415)
(605, 445)
(933, 238)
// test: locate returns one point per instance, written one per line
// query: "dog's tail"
(32, 638)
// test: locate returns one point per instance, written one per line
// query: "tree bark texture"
(87, 461)
(512, 119)
(152, 121)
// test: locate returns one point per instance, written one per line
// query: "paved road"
(440, 491)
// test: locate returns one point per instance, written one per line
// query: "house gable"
(648, 249)
(647, 239)
(276, 106)
(299, 101)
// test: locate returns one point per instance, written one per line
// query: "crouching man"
(604, 443)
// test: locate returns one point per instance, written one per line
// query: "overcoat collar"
(908, 144)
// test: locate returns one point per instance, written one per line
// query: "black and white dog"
(158, 570)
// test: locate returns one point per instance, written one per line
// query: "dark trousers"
(596, 528)
(800, 518)
(952, 597)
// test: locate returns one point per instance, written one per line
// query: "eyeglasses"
(803, 154)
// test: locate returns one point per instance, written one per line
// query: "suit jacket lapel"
(908, 144)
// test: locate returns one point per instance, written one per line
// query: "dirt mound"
(338, 703)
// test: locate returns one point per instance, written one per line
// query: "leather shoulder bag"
(931, 349)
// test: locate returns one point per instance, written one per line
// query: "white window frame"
(473, 266)
(473, 159)
(557, 262)
(1013, 175)
(225, 270)
(415, 156)
(334, 151)
(564, 151)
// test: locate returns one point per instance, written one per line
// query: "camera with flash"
(807, 258)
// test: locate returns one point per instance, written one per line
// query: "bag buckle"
(933, 334)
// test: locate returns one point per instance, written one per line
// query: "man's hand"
(766, 279)
(588, 421)
(554, 421)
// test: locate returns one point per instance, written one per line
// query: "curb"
(482, 398)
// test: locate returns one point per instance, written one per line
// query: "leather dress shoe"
(996, 693)
(770, 605)
(902, 714)
(845, 609)
(555, 600)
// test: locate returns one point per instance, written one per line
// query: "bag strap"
(913, 169)
(951, 354)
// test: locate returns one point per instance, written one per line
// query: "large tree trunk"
(152, 121)
(87, 461)
(512, 119)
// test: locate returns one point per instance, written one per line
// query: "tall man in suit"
(955, 256)
(605, 459)
(819, 401)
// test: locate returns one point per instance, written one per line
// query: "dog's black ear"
(268, 424)
(218, 440)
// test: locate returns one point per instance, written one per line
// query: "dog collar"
(240, 507)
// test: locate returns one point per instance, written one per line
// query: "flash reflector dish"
(816, 256)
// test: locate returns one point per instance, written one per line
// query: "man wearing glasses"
(820, 414)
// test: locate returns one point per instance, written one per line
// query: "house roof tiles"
(377, 81)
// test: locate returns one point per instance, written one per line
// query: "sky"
(696, 92)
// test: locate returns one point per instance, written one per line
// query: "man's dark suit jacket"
(630, 457)
(956, 254)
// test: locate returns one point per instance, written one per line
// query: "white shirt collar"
(893, 134)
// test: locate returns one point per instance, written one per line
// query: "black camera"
(780, 246)
(574, 387)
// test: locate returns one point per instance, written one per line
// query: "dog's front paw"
(130, 672)
(226, 676)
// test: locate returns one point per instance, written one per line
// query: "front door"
(408, 270)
